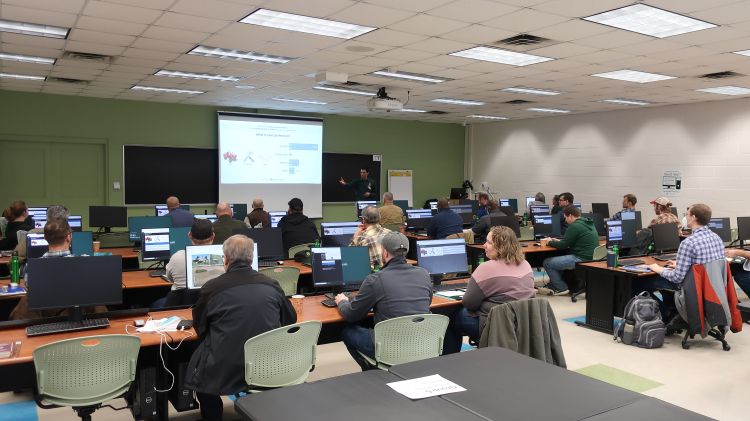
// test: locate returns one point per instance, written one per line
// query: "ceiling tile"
(176, 35)
(94, 48)
(525, 20)
(439, 46)
(42, 17)
(478, 34)
(472, 11)
(214, 9)
(405, 54)
(150, 54)
(723, 15)
(413, 5)
(159, 45)
(110, 26)
(100, 37)
(391, 37)
(427, 25)
(67, 6)
(580, 8)
(188, 22)
(371, 15)
(317, 8)
(119, 12)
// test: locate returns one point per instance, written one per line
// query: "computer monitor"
(632, 216)
(721, 227)
(138, 223)
(418, 218)
(75, 222)
(82, 243)
(160, 210)
(211, 217)
(466, 212)
(39, 215)
(433, 206)
(439, 257)
(474, 204)
(337, 234)
(600, 208)
(673, 209)
(542, 226)
(36, 245)
(507, 210)
(539, 209)
(577, 204)
(509, 203)
(457, 193)
(506, 221)
(270, 246)
(178, 239)
(629, 232)
(108, 217)
(743, 229)
(557, 220)
(276, 217)
(665, 237)
(614, 233)
(74, 282)
(339, 268)
(155, 244)
(529, 199)
(598, 222)
(361, 204)
(403, 204)
(207, 262)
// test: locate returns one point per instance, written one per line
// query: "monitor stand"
(160, 269)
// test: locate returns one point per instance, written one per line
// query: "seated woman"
(17, 215)
(506, 276)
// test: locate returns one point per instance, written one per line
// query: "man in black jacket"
(296, 228)
(231, 309)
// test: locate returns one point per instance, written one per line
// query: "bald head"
(387, 197)
(173, 202)
(223, 208)
(370, 215)
(257, 203)
(443, 203)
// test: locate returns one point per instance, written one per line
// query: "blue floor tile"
(18, 411)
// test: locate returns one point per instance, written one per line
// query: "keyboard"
(267, 263)
(157, 273)
(67, 326)
(631, 262)
(450, 286)
(665, 257)
(332, 295)
(329, 302)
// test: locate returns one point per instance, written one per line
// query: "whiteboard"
(400, 184)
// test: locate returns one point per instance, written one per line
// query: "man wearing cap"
(370, 234)
(398, 289)
(664, 215)
(296, 228)
(201, 234)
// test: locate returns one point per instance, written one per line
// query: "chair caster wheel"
(574, 299)
(685, 346)
(726, 347)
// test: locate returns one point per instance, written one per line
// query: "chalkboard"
(153, 173)
(347, 165)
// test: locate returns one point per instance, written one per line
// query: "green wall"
(434, 151)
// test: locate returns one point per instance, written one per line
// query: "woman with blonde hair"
(506, 276)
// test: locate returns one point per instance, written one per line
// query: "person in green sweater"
(580, 238)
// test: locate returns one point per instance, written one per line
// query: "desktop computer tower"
(143, 398)
(182, 399)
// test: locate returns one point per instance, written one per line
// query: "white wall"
(601, 156)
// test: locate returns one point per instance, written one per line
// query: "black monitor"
(457, 193)
(578, 205)
(337, 234)
(632, 216)
(721, 227)
(74, 282)
(666, 237)
(474, 204)
(539, 209)
(178, 239)
(598, 222)
(557, 220)
(276, 217)
(361, 204)
(339, 267)
(418, 218)
(440, 257)
(160, 210)
(108, 217)
(614, 233)
(239, 211)
(155, 244)
(36, 245)
(137, 223)
(75, 222)
(743, 229)
(509, 203)
(270, 246)
(466, 212)
(673, 209)
(507, 210)
(629, 234)
(542, 226)
(506, 221)
(403, 204)
(600, 208)
(210, 216)
(39, 215)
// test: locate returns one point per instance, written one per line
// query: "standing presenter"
(364, 188)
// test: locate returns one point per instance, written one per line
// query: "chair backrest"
(527, 233)
(298, 248)
(393, 227)
(3, 224)
(21, 236)
(85, 371)
(409, 338)
(283, 356)
(286, 276)
(600, 252)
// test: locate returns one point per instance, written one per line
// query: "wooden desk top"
(646, 260)
(4, 260)
(125, 252)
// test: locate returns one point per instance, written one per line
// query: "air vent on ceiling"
(91, 57)
(68, 80)
(721, 75)
(437, 112)
(524, 42)
(518, 101)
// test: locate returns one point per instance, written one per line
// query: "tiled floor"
(704, 379)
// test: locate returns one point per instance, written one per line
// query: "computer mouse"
(279, 262)
(538, 244)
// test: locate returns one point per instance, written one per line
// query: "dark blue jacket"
(181, 218)
(445, 223)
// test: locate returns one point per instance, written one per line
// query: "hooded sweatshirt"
(580, 237)
(296, 229)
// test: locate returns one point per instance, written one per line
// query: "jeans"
(665, 287)
(358, 338)
(461, 324)
(742, 278)
(554, 267)
(212, 407)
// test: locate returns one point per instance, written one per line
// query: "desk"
(500, 383)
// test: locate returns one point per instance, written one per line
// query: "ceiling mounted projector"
(382, 102)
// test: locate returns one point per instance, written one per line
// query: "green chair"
(408, 338)
(281, 357)
(85, 372)
(527, 233)
(600, 252)
(286, 276)
(298, 248)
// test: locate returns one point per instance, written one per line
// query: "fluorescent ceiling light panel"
(301, 101)
(26, 59)
(549, 110)
(457, 101)
(411, 110)
(743, 53)
(343, 90)
(650, 21)
(532, 91)
(205, 51)
(623, 101)
(299, 23)
(726, 90)
(634, 76)
(188, 75)
(23, 77)
(33, 29)
(174, 91)
(487, 117)
(244, 86)
(409, 76)
(496, 55)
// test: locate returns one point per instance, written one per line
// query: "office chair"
(408, 338)
(281, 357)
(84, 372)
(600, 252)
(527, 233)
(287, 278)
(393, 227)
(298, 248)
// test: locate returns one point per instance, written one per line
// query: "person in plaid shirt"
(664, 215)
(702, 246)
(370, 233)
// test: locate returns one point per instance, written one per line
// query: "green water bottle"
(317, 243)
(616, 251)
(376, 268)
(15, 269)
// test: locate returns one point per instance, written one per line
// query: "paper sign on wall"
(671, 183)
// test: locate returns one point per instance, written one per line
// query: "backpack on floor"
(641, 324)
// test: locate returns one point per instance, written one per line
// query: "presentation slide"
(275, 158)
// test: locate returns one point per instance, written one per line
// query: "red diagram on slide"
(229, 156)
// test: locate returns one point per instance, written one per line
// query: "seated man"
(628, 205)
(664, 215)
(702, 246)
(482, 227)
(399, 289)
(580, 238)
(370, 234)
(180, 217)
(445, 222)
(54, 212)
(741, 274)
(258, 218)
(225, 224)
(296, 228)
(482, 209)
(565, 200)
(539, 199)
(231, 309)
(390, 214)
